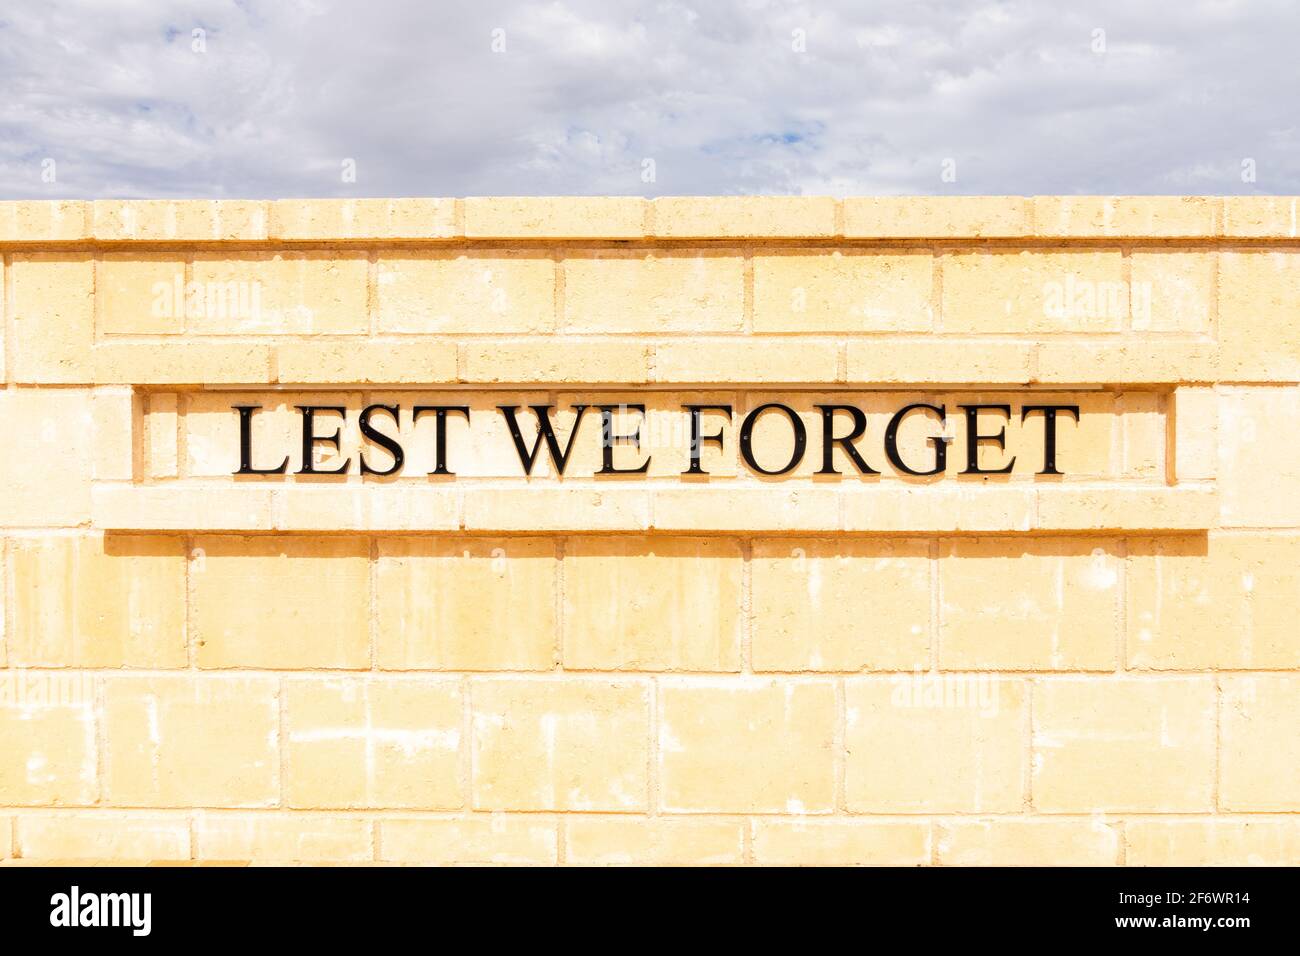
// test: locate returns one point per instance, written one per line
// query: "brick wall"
(1097, 668)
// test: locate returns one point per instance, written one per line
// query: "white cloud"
(722, 95)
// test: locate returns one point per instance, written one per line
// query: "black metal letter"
(697, 440)
(829, 441)
(973, 439)
(1049, 431)
(939, 442)
(608, 439)
(310, 439)
(544, 431)
(384, 441)
(440, 431)
(747, 438)
(246, 445)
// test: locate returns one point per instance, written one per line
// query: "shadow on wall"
(668, 546)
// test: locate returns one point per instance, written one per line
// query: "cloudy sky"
(267, 98)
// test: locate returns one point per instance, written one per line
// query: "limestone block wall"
(782, 656)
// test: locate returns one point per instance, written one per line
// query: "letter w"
(528, 456)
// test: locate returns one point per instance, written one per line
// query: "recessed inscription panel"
(661, 435)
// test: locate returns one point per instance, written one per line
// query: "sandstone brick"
(180, 221)
(1213, 841)
(113, 411)
(99, 835)
(1259, 293)
(6, 838)
(363, 507)
(379, 742)
(652, 604)
(808, 600)
(850, 291)
(1034, 292)
(552, 217)
(612, 291)
(1226, 601)
(554, 361)
(96, 601)
(936, 217)
(841, 843)
(186, 741)
(1145, 421)
(126, 507)
(1029, 603)
(281, 837)
(423, 361)
(478, 839)
(732, 361)
(1270, 217)
(732, 508)
(352, 219)
(601, 841)
(140, 293)
(1115, 508)
(691, 217)
(574, 508)
(281, 602)
(746, 746)
(122, 219)
(937, 361)
(1259, 755)
(1044, 841)
(53, 317)
(46, 468)
(1125, 361)
(560, 744)
(38, 220)
(493, 605)
(480, 291)
(933, 508)
(47, 740)
(161, 430)
(935, 743)
(1173, 291)
(1259, 476)
(181, 363)
(1124, 744)
(1196, 433)
(1138, 216)
(224, 219)
(304, 293)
